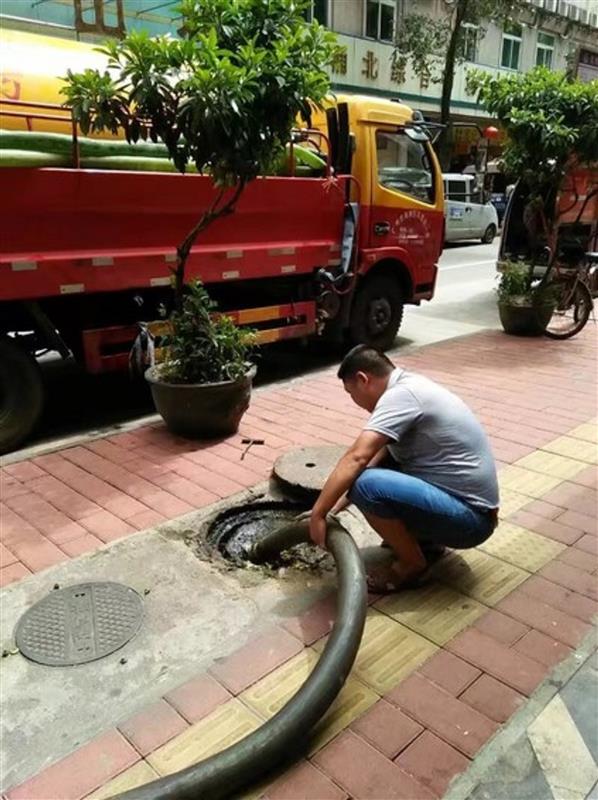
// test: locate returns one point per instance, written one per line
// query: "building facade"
(554, 33)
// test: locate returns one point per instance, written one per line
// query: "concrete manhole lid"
(307, 468)
(79, 624)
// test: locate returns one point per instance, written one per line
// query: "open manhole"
(235, 530)
(79, 624)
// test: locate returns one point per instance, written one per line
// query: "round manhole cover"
(79, 624)
(304, 471)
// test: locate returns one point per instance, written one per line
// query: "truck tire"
(377, 312)
(21, 395)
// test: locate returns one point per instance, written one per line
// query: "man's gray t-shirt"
(436, 437)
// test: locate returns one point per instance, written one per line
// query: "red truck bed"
(69, 231)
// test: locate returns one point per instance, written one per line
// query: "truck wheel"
(21, 395)
(377, 312)
(489, 234)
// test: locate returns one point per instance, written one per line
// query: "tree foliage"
(224, 97)
(434, 47)
(422, 41)
(549, 121)
(551, 124)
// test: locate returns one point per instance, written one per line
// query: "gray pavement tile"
(580, 696)
(515, 776)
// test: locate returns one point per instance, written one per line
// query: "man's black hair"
(364, 358)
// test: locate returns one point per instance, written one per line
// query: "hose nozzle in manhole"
(237, 534)
(235, 531)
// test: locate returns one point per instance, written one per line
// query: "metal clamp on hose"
(287, 731)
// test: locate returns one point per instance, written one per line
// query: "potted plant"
(550, 121)
(524, 308)
(224, 97)
(203, 385)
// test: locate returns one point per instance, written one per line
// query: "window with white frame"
(380, 19)
(545, 50)
(511, 46)
(470, 41)
(318, 9)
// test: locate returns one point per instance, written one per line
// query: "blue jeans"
(431, 514)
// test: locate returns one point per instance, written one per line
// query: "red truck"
(85, 254)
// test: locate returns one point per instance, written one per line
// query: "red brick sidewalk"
(536, 399)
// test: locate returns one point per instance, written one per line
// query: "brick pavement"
(439, 669)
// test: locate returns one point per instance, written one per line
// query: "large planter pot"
(525, 319)
(201, 410)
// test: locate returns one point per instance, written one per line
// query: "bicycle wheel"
(571, 313)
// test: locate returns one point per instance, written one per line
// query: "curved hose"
(228, 771)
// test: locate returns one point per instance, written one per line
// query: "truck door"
(404, 210)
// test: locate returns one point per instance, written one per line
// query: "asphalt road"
(464, 303)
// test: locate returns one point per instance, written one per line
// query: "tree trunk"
(184, 249)
(443, 145)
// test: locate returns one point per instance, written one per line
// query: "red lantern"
(491, 132)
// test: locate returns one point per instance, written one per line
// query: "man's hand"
(317, 529)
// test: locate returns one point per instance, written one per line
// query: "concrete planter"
(201, 410)
(527, 319)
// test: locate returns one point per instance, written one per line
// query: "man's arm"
(348, 469)
(344, 501)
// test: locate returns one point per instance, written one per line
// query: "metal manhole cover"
(79, 624)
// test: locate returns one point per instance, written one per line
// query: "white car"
(466, 217)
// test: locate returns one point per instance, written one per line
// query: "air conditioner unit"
(551, 5)
(573, 12)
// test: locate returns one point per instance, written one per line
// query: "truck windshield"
(404, 166)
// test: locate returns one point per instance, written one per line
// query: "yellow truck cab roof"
(365, 108)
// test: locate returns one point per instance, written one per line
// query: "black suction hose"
(287, 731)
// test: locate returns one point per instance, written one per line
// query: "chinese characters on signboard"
(339, 62)
(370, 65)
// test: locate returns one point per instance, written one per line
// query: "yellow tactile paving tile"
(552, 464)
(588, 432)
(131, 778)
(269, 695)
(353, 700)
(521, 547)
(511, 501)
(435, 611)
(586, 451)
(485, 578)
(526, 481)
(388, 653)
(226, 725)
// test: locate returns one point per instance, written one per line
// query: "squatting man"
(421, 471)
